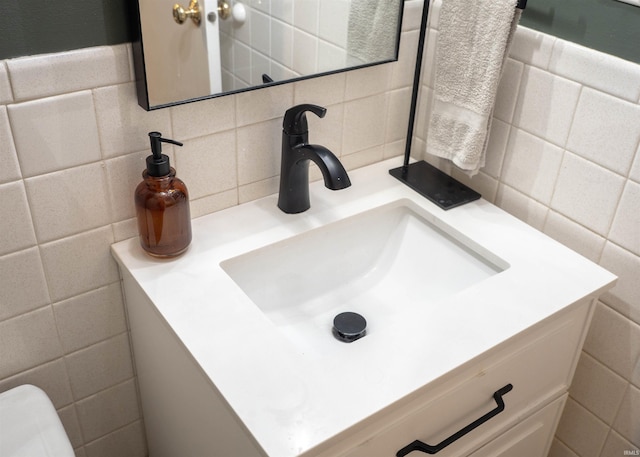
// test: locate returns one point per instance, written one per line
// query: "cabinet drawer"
(530, 438)
(538, 364)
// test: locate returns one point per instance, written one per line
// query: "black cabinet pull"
(418, 445)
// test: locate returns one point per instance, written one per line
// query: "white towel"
(373, 29)
(473, 43)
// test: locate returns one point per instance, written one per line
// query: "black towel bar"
(522, 4)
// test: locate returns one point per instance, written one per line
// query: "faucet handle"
(295, 120)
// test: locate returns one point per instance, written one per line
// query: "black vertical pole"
(416, 84)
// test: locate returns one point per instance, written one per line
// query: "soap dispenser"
(162, 205)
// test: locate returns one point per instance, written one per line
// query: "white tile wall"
(72, 147)
(571, 167)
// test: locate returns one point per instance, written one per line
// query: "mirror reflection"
(204, 48)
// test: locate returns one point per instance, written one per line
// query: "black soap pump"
(162, 204)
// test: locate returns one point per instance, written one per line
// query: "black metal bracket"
(418, 445)
(435, 185)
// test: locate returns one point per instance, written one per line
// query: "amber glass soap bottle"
(162, 205)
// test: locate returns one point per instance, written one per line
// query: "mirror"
(208, 48)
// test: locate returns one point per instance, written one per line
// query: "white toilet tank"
(30, 426)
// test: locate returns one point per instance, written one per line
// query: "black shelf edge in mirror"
(435, 185)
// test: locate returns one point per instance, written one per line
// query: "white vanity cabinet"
(184, 412)
(219, 376)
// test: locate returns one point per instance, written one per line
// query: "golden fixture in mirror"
(180, 15)
(224, 9)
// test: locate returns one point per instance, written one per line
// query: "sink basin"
(381, 264)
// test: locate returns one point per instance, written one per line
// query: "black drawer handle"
(418, 445)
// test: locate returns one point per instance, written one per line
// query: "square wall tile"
(69, 420)
(627, 422)
(398, 115)
(531, 165)
(79, 263)
(507, 94)
(612, 340)
(27, 341)
(283, 10)
(50, 377)
(496, 147)
(411, 18)
(324, 91)
(6, 94)
(559, 449)
(260, 65)
(548, 116)
(127, 441)
(261, 32)
(333, 23)
(263, 104)
(587, 193)
(9, 167)
(305, 15)
(22, 283)
(606, 130)
(259, 150)
(15, 224)
(597, 388)
(625, 230)
(203, 118)
(124, 173)
(368, 81)
(124, 126)
(599, 70)
(330, 56)
(55, 133)
(305, 52)
(100, 366)
(617, 445)
(625, 295)
(521, 206)
(574, 236)
(282, 42)
(108, 410)
(242, 64)
(326, 131)
(208, 165)
(364, 127)
(90, 318)
(44, 75)
(581, 431)
(402, 71)
(69, 201)
(532, 47)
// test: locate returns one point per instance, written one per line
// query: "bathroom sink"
(382, 264)
(248, 312)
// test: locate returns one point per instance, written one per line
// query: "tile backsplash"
(563, 157)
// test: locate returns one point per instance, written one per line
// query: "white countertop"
(291, 401)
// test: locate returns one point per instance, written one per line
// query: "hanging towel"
(373, 29)
(473, 43)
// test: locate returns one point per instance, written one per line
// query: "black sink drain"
(349, 326)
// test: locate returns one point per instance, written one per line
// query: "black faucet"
(296, 153)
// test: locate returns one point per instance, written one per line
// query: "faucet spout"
(294, 167)
(334, 174)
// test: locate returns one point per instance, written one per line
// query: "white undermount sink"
(382, 264)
